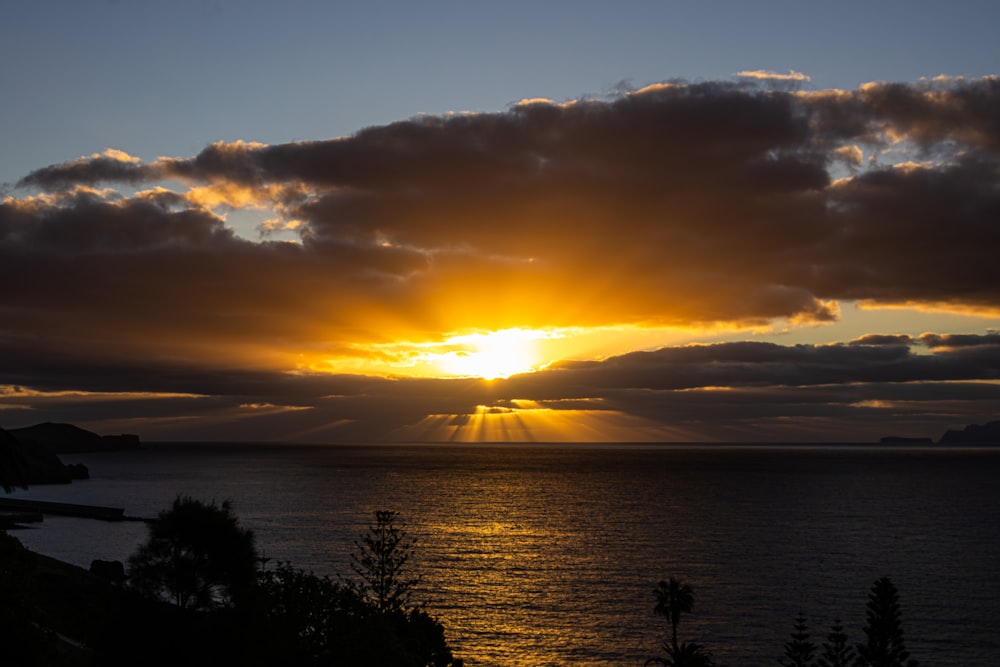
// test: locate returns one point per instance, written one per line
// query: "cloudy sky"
(461, 221)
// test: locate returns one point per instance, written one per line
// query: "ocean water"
(535, 555)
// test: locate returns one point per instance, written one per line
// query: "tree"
(197, 556)
(380, 562)
(883, 646)
(836, 651)
(306, 619)
(13, 467)
(674, 598)
(23, 638)
(799, 650)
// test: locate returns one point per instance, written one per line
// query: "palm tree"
(673, 599)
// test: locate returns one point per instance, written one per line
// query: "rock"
(112, 570)
(70, 439)
(13, 466)
(26, 462)
(77, 471)
(974, 434)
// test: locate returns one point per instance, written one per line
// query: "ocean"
(538, 555)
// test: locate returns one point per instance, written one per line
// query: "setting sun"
(497, 354)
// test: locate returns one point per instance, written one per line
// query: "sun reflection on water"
(527, 555)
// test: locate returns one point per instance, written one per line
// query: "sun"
(492, 355)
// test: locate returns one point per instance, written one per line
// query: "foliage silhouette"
(13, 467)
(22, 639)
(883, 645)
(380, 562)
(197, 556)
(674, 598)
(284, 616)
(310, 620)
(836, 651)
(799, 650)
(305, 617)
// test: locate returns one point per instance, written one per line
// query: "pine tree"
(381, 564)
(836, 651)
(884, 645)
(799, 650)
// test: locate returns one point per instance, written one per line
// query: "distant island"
(973, 434)
(70, 439)
(30, 455)
(896, 440)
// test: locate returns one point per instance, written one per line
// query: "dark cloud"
(751, 364)
(109, 167)
(883, 339)
(679, 204)
(650, 203)
(953, 341)
(722, 391)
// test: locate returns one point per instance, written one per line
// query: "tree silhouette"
(306, 619)
(836, 651)
(23, 638)
(13, 469)
(883, 646)
(799, 650)
(197, 556)
(674, 598)
(380, 562)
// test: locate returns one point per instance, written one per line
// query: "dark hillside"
(70, 439)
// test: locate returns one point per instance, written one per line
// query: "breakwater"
(41, 507)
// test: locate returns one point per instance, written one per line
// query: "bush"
(197, 556)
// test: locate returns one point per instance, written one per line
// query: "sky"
(468, 221)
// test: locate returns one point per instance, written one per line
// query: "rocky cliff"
(70, 439)
(28, 463)
(974, 434)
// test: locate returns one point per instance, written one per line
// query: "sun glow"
(531, 421)
(493, 355)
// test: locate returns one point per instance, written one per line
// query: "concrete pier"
(40, 507)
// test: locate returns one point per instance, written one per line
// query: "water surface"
(547, 555)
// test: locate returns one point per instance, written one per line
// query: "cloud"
(768, 75)
(697, 205)
(883, 339)
(958, 341)
(112, 165)
(719, 391)
(638, 209)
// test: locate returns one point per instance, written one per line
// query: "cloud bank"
(685, 205)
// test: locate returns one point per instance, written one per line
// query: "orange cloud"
(768, 75)
(709, 206)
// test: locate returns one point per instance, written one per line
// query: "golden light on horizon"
(493, 355)
(531, 421)
(497, 354)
